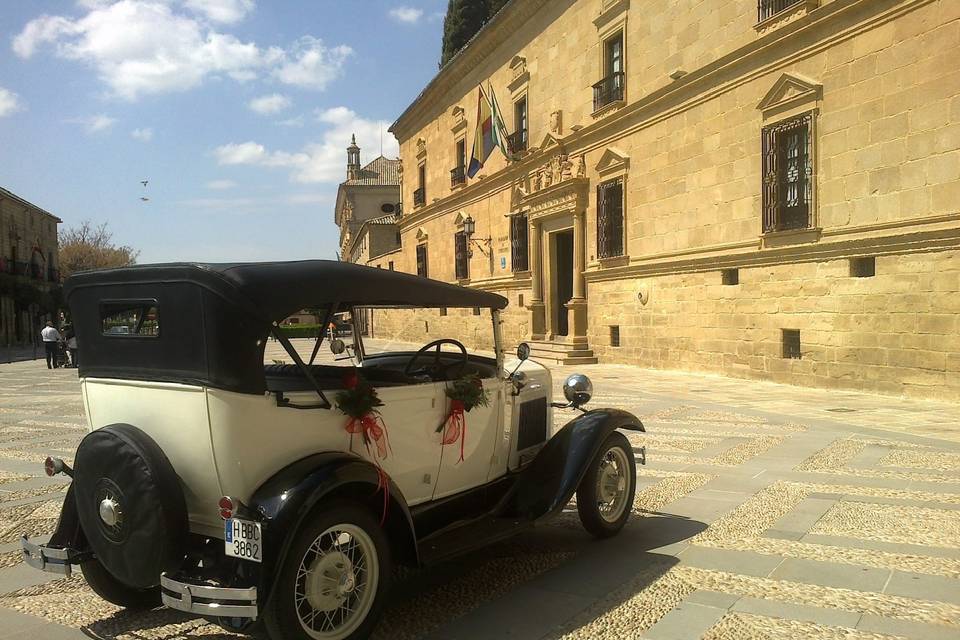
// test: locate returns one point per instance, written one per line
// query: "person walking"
(71, 337)
(51, 341)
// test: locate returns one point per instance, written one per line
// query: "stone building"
(29, 269)
(367, 208)
(764, 190)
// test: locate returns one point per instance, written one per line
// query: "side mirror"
(523, 351)
(337, 346)
(578, 390)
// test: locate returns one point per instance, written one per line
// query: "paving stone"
(687, 620)
(713, 599)
(832, 575)
(906, 628)
(802, 517)
(918, 585)
(878, 545)
(777, 609)
(743, 562)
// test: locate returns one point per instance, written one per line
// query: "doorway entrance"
(563, 280)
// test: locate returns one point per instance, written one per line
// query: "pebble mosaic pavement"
(753, 520)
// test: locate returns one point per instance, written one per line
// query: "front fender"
(287, 499)
(551, 479)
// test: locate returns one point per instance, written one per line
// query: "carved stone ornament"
(582, 166)
(790, 90)
(556, 123)
(566, 167)
(400, 169)
(518, 67)
(546, 176)
(459, 118)
(537, 180)
(421, 147)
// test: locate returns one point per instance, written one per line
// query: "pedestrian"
(51, 341)
(71, 337)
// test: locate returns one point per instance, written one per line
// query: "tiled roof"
(380, 172)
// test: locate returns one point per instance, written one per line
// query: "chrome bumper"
(206, 600)
(46, 558)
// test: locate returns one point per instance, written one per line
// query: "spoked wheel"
(605, 495)
(334, 579)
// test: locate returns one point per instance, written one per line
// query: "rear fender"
(285, 501)
(551, 479)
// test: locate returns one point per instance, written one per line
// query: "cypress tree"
(464, 18)
(494, 6)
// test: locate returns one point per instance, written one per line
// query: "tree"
(494, 6)
(87, 247)
(463, 20)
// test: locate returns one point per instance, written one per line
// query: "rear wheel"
(605, 495)
(334, 579)
(112, 590)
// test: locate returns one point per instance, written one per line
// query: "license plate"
(243, 539)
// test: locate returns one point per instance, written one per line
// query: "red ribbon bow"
(456, 426)
(372, 429)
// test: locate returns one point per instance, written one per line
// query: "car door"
(478, 444)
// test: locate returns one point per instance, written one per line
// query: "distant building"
(368, 208)
(29, 269)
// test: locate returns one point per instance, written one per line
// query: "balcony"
(420, 197)
(769, 8)
(518, 141)
(458, 176)
(609, 90)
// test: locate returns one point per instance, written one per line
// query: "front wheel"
(334, 580)
(605, 495)
(112, 590)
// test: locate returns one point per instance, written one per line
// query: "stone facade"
(367, 207)
(695, 135)
(29, 268)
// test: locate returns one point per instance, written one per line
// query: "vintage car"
(279, 497)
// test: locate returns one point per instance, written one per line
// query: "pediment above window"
(790, 91)
(519, 76)
(613, 161)
(421, 147)
(421, 235)
(550, 142)
(458, 221)
(609, 11)
(459, 118)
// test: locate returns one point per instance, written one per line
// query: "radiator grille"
(532, 429)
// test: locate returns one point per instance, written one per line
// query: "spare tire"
(130, 505)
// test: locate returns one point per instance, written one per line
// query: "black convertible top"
(214, 319)
(278, 289)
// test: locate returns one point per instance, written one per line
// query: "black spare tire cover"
(130, 504)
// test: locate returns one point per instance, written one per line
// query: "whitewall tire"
(605, 495)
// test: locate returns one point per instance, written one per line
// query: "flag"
(483, 137)
(501, 137)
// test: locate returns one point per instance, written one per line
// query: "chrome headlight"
(578, 389)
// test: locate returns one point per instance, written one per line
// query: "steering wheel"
(437, 370)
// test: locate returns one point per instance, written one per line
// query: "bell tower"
(353, 159)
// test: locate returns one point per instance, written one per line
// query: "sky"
(237, 113)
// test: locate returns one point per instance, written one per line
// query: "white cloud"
(313, 65)
(143, 135)
(272, 103)
(9, 102)
(408, 15)
(94, 124)
(142, 47)
(225, 11)
(296, 121)
(322, 161)
(221, 185)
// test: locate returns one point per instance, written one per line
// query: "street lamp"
(469, 228)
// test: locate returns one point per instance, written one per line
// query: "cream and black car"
(260, 496)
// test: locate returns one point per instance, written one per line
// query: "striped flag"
(491, 133)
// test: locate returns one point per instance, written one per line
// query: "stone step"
(557, 352)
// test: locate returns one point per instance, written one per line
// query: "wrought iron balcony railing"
(458, 176)
(420, 197)
(769, 8)
(609, 90)
(518, 141)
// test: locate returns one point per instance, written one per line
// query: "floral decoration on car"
(465, 393)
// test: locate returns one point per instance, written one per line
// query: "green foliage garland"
(469, 391)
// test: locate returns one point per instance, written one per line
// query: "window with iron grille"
(791, 344)
(769, 8)
(610, 219)
(519, 239)
(422, 260)
(461, 255)
(788, 174)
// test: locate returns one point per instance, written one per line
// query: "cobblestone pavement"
(764, 512)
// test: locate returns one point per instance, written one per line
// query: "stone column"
(536, 306)
(578, 303)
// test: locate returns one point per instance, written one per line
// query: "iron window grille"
(610, 219)
(519, 243)
(419, 197)
(422, 260)
(788, 174)
(769, 8)
(791, 344)
(458, 176)
(461, 255)
(609, 90)
(517, 141)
